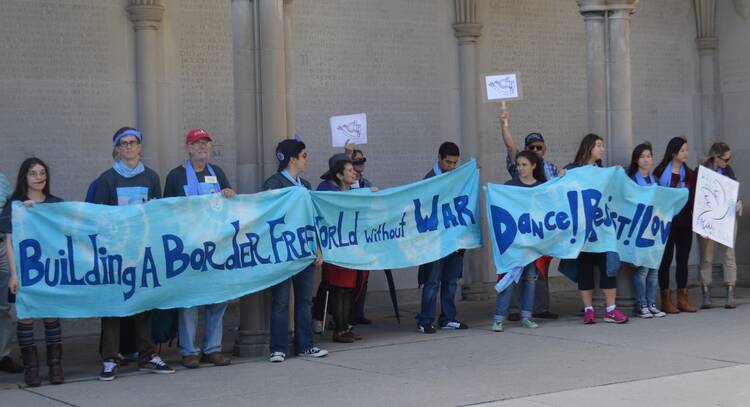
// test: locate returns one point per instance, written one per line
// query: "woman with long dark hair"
(530, 174)
(673, 172)
(717, 159)
(591, 152)
(644, 278)
(32, 187)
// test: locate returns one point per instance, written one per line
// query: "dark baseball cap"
(533, 138)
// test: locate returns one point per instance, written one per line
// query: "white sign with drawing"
(504, 86)
(350, 127)
(715, 206)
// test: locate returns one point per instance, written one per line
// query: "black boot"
(54, 361)
(30, 366)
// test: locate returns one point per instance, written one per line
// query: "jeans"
(303, 337)
(541, 296)
(442, 274)
(213, 329)
(529, 276)
(644, 286)
(6, 320)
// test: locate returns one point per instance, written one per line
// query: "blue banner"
(403, 226)
(589, 209)
(83, 260)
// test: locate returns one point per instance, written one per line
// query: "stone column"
(467, 30)
(146, 16)
(707, 43)
(620, 103)
(291, 124)
(245, 118)
(596, 81)
(270, 102)
(608, 74)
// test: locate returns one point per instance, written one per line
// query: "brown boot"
(682, 301)
(54, 361)
(30, 366)
(666, 302)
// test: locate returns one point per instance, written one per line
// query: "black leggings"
(682, 238)
(586, 263)
(341, 307)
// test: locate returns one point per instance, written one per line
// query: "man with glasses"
(198, 177)
(128, 182)
(533, 142)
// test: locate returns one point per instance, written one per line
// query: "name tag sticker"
(210, 180)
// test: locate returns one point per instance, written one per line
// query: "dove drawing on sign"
(504, 86)
(351, 129)
(715, 199)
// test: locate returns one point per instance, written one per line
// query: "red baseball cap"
(197, 134)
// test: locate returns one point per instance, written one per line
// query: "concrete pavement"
(700, 359)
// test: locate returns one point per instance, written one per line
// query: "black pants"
(586, 263)
(682, 240)
(341, 306)
(358, 301)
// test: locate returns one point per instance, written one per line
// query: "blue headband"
(129, 132)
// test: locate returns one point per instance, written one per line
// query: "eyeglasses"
(126, 144)
(535, 147)
(726, 160)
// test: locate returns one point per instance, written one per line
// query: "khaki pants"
(708, 248)
(111, 335)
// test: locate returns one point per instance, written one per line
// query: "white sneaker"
(644, 312)
(314, 352)
(497, 326)
(277, 357)
(528, 323)
(656, 312)
(317, 326)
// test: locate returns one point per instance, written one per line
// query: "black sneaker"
(154, 365)
(454, 325)
(426, 328)
(109, 370)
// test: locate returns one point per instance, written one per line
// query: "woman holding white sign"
(718, 158)
(673, 172)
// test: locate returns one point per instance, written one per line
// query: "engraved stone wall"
(198, 85)
(664, 75)
(65, 81)
(394, 60)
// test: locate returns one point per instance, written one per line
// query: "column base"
(475, 292)
(253, 337)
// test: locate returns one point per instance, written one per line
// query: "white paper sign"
(715, 205)
(350, 127)
(503, 86)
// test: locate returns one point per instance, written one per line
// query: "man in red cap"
(197, 177)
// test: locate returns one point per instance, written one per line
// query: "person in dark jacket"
(292, 159)
(673, 172)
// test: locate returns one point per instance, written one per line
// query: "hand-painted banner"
(83, 260)
(589, 209)
(403, 226)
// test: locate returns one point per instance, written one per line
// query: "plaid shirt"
(550, 170)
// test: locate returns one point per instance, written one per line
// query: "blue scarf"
(193, 186)
(666, 177)
(642, 182)
(436, 169)
(291, 179)
(719, 170)
(126, 171)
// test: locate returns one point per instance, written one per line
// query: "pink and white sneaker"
(589, 317)
(616, 317)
